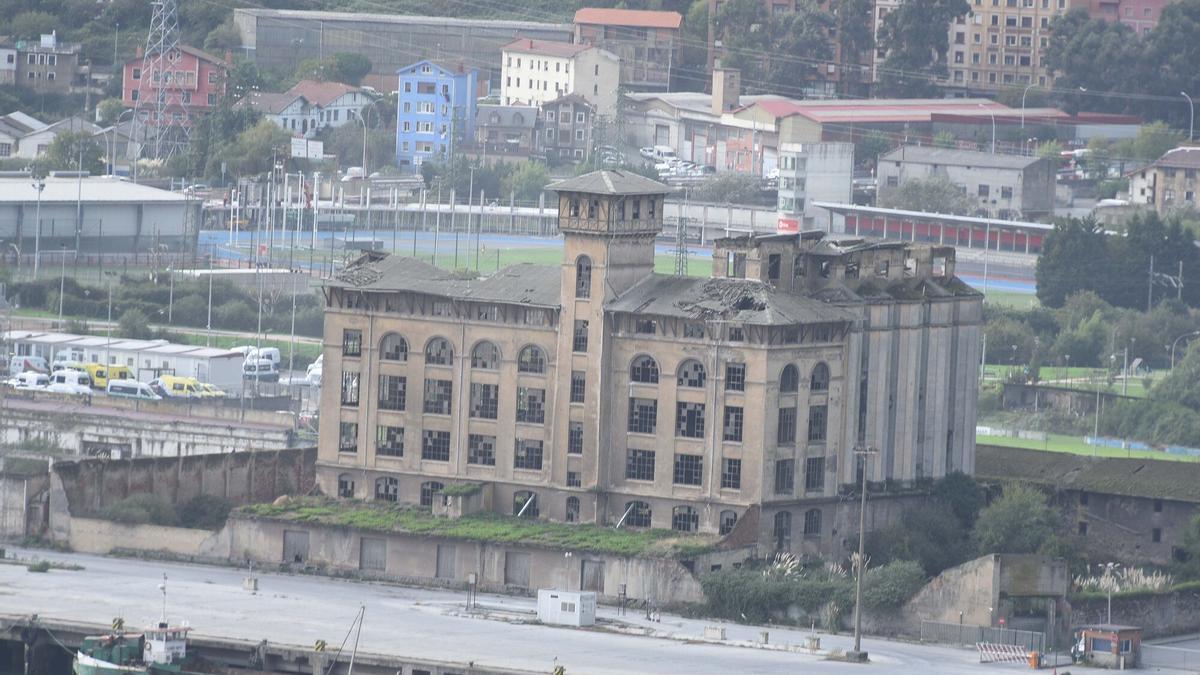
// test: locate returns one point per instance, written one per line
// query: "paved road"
(423, 623)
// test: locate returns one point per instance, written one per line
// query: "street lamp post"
(38, 185)
(362, 118)
(62, 282)
(1176, 342)
(860, 561)
(1191, 113)
(993, 116)
(1023, 93)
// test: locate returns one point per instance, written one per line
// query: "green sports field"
(1076, 446)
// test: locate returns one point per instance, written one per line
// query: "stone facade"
(606, 393)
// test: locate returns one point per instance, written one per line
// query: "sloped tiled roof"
(524, 284)
(506, 115)
(628, 17)
(1148, 478)
(739, 300)
(1180, 158)
(545, 47)
(614, 182)
(266, 102)
(320, 93)
(950, 157)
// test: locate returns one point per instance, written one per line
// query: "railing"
(1160, 656)
(968, 636)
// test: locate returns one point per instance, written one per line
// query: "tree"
(935, 194)
(799, 43)
(340, 67)
(1097, 55)
(692, 72)
(1051, 150)
(109, 110)
(855, 36)
(1154, 140)
(72, 150)
(30, 25)
(527, 181)
(869, 147)
(745, 30)
(134, 324)
(346, 142)
(729, 188)
(255, 148)
(1189, 544)
(915, 38)
(962, 494)
(224, 37)
(1074, 258)
(1009, 341)
(1017, 522)
(928, 534)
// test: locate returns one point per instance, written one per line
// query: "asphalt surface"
(425, 623)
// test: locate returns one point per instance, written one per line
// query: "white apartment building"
(539, 71)
(809, 173)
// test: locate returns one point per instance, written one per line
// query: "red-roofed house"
(309, 106)
(195, 82)
(1168, 183)
(646, 42)
(537, 71)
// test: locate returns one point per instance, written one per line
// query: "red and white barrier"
(994, 653)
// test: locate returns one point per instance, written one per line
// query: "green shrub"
(204, 512)
(236, 315)
(42, 566)
(892, 585)
(141, 509)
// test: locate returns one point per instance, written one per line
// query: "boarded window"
(372, 554)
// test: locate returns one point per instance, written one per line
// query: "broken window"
(639, 464)
(345, 486)
(731, 474)
(736, 334)
(573, 502)
(435, 445)
(637, 514)
(579, 343)
(438, 394)
(583, 277)
(826, 269)
(938, 267)
(727, 521)
(578, 386)
(643, 415)
(531, 360)
(485, 356)
(812, 522)
(691, 374)
(387, 489)
(685, 519)
(442, 308)
(693, 331)
(393, 348)
(820, 377)
(644, 369)
(689, 419)
(439, 353)
(785, 476)
(531, 405)
(528, 454)
(349, 388)
(852, 270)
(351, 342)
(481, 449)
(389, 441)
(735, 377)
(485, 401)
(348, 437)
(393, 392)
(574, 208)
(774, 262)
(782, 530)
(428, 489)
(789, 379)
(910, 266)
(645, 326)
(487, 313)
(881, 268)
(689, 469)
(733, 423)
(575, 438)
(735, 265)
(816, 424)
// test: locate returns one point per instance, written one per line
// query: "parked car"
(68, 381)
(211, 391)
(263, 370)
(132, 389)
(647, 152)
(315, 370)
(29, 380)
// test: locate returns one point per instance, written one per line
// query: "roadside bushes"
(205, 512)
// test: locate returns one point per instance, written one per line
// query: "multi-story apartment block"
(46, 65)
(599, 391)
(8, 65)
(1168, 183)
(567, 124)
(1140, 15)
(505, 132)
(193, 85)
(537, 71)
(435, 111)
(1005, 186)
(810, 173)
(647, 42)
(999, 45)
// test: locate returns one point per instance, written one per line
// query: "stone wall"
(21, 507)
(1159, 615)
(91, 535)
(971, 588)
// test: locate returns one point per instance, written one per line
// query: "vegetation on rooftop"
(482, 527)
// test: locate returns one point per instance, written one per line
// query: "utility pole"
(863, 453)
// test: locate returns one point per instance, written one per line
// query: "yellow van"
(116, 372)
(172, 386)
(99, 375)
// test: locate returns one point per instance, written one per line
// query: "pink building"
(195, 81)
(1140, 15)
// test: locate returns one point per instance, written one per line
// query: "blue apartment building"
(435, 113)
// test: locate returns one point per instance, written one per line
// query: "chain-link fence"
(960, 634)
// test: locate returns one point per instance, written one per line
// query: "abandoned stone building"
(600, 391)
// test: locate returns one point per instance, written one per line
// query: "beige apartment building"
(999, 44)
(536, 72)
(600, 391)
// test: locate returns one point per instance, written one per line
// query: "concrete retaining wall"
(90, 535)
(1162, 615)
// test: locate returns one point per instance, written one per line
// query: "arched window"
(728, 520)
(789, 380)
(387, 489)
(428, 489)
(644, 369)
(485, 356)
(345, 486)
(439, 353)
(393, 347)
(583, 277)
(531, 360)
(812, 522)
(685, 519)
(820, 377)
(518, 119)
(572, 509)
(525, 504)
(637, 514)
(691, 374)
(783, 530)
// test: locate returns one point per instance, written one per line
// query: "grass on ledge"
(490, 528)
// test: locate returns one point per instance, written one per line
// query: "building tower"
(609, 220)
(161, 107)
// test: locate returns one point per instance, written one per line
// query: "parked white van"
(264, 370)
(70, 382)
(132, 389)
(24, 364)
(29, 380)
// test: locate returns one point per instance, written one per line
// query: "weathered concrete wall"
(1033, 575)
(500, 567)
(20, 504)
(972, 588)
(1162, 615)
(90, 535)
(162, 432)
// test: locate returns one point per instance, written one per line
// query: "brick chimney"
(726, 89)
